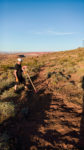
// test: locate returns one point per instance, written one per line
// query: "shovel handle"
(31, 82)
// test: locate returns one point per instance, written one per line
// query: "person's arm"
(15, 73)
(24, 69)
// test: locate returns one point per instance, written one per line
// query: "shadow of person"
(22, 130)
(82, 121)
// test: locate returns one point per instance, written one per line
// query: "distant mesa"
(31, 54)
(21, 56)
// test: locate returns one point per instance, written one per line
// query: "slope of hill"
(52, 118)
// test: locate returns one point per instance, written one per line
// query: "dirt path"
(52, 123)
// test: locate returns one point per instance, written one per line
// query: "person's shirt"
(18, 69)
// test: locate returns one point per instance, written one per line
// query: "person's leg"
(25, 85)
(15, 88)
(16, 85)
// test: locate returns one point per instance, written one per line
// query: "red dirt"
(52, 123)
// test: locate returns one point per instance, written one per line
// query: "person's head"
(19, 60)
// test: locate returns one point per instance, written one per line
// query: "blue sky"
(41, 25)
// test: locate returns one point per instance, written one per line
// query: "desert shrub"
(81, 70)
(4, 84)
(36, 69)
(8, 94)
(71, 70)
(63, 61)
(7, 110)
(60, 77)
(72, 63)
(10, 74)
(31, 62)
(52, 64)
(69, 62)
(35, 62)
(5, 67)
(80, 59)
(49, 74)
(81, 54)
(3, 76)
(56, 77)
(33, 65)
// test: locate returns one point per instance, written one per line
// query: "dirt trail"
(52, 123)
(61, 127)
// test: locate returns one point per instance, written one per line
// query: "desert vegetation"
(59, 80)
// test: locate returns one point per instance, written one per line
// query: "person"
(18, 72)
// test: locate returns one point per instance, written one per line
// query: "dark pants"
(20, 80)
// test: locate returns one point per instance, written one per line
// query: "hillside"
(52, 118)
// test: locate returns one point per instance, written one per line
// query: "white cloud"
(51, 32)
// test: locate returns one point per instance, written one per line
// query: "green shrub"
(4, 84)
(7, 110)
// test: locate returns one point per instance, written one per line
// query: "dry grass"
(62, 68)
